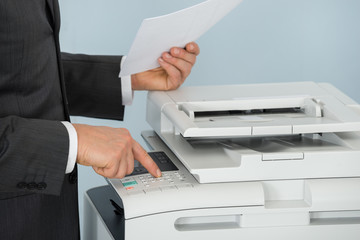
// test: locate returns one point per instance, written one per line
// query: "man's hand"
(175, 67)
(111, 151)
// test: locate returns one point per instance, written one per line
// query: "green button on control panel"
(129, 184)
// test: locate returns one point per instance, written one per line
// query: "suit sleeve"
(33, 155)
(93, 87)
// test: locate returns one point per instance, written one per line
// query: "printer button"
(127, 179)
(129, 184)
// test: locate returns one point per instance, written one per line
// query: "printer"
(259, 161)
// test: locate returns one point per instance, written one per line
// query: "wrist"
(135, 83)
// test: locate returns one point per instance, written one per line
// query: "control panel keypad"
(173, 180)
(141, 182)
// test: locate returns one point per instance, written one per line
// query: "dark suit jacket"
(39, 87)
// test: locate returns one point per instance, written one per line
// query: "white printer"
(260, 161)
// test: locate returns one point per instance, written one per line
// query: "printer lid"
(257, 110)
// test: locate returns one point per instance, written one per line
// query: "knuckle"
(126, 135)
(128, 139)
(124, 145)
(126, 131)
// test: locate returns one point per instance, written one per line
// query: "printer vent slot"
(334, 217)
(205, 223)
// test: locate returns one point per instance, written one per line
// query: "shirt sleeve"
(73, 147)
(126, 89)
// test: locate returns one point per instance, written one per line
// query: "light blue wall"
(260, 41)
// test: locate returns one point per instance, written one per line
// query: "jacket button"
(31, 186)
(41, 186)
(21, 185)
(73, 178)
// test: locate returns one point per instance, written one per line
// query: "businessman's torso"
(30, 87)
(30, 84)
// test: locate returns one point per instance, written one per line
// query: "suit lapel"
(50, 7)
(53, 6)
(55, 14)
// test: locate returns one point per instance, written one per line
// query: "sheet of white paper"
(159, 34)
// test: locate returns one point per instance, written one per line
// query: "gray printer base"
(101, 223)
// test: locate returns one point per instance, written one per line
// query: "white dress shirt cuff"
(126, 89)
(73, 147)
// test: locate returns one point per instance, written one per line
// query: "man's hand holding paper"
(175, 66)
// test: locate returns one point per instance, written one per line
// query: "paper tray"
(272, 158)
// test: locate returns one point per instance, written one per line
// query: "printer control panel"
(172, 179)
(161, 159)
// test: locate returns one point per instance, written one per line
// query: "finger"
(182, 65)
(183, 54)
(109, 172)
(141, 155)
(105, 172)
(122, 168)
(193, 48)
(99, 171)
(130, 162)
(115, 169)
